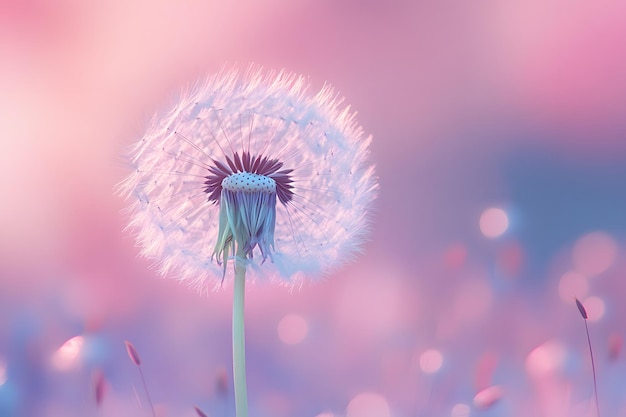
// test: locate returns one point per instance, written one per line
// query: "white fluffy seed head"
(249, 182)
(269, 114)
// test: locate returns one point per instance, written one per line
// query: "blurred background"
(500, 143)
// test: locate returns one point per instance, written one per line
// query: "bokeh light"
(292, 329)
(373, 307)
(493, 222)
(594, 253)
(488, 397)
(546, 358)
(595, 308)
(572, 285)
(616, 343)
(511, 260)
(68, 356)
(430, 361)
(368, 404)
(460, 410)
(3, 372)
(472, 300)
(455, 255)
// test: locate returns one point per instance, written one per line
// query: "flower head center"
(248, 182)
(260, 171)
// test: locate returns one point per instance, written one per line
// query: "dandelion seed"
(250, 169)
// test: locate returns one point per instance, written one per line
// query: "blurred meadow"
(500, 144)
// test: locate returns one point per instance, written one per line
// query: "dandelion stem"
(239, 343)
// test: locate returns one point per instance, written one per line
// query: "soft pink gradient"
(456, 97)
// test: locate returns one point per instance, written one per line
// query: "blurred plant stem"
(239, 342)
(583, 312)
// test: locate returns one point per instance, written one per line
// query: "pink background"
(511, 104)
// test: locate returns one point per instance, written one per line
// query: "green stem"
(239, 342)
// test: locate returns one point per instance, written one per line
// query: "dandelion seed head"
(250, 164)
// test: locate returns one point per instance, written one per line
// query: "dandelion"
(250, 170)
(247, 166)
